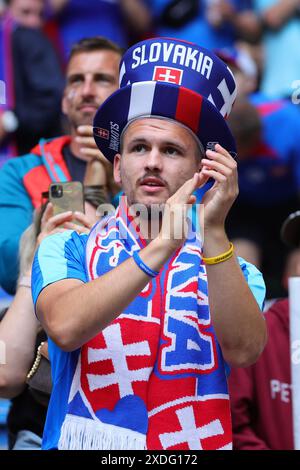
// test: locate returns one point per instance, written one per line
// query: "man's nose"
(154, 159)
(88, 88)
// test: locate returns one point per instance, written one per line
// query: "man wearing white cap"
(143, 316)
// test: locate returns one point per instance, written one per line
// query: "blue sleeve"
(60, 256)
(16, 212)
(255, 281)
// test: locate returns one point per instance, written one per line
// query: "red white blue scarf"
(155, 377)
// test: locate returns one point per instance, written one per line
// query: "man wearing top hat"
(144, 315)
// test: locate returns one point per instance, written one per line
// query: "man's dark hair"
(96, 43)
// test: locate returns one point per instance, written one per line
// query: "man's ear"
(117, 169)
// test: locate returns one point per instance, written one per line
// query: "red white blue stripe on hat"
(185, 64)
(150, 98)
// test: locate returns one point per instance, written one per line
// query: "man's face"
(91, 78)
(28, 13)
(158, 157)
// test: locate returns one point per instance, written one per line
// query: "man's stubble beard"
(85, 120)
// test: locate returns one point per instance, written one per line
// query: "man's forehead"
(95, 61)
(28, 3)
(158, 127)
(153, 124)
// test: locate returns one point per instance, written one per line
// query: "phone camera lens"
(57, 191)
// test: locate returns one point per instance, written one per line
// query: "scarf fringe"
(79, 433)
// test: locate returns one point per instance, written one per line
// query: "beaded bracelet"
(36, 362)
(220, 258)
(143, 266)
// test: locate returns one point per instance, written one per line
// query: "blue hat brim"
(159, 99)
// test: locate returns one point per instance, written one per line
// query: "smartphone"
(66, 197)
(211, 146)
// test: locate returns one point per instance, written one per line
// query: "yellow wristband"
(220, 258)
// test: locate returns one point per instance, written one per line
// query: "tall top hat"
(172, 79)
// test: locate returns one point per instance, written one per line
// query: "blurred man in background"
(92, 75)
